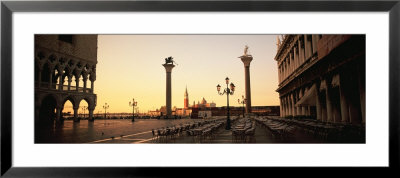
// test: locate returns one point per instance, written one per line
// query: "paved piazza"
(140, 131)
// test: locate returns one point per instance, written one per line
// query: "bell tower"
(186, 99)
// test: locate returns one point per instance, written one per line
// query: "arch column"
(290, 105)
(329, 108)
(284, 106)
(303, 108)
(298, 108)
(77, 82)
(92, 78)
(69, 82)
(318, 104)
(92, 86)
(76, 119)
(293, 96)
(58, 113)
(84, 83)
(344, 108)
(280, 107)
(91, 114)
(51, 77)
(61, 80)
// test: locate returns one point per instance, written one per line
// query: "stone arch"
(89, 101)
(72, 100)
(84, 111)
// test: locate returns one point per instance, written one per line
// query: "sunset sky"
(130, 66)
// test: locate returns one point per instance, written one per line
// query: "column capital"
(84, 77)
(168, 67)
(76, 107)
(92, 77)
(246, 60)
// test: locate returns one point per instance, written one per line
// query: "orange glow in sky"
(130, 66)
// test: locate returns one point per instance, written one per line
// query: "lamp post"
(242, 102)
(84, 108)
(105, 107)
(228, 92)
(133, 104)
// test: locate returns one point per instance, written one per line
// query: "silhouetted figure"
(102, 133)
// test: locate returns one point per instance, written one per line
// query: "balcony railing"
(53, 86)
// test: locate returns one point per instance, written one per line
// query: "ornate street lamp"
(242, 102)
(133, 104)
(105, 107)
(84, 108)
(228, 92)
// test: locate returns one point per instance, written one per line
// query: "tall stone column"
(284, 107)
(293, 99)
(280, 107)
(329, 108)
(91, 114)
(168, 69)
(76, 114)
(246, 59)
(301, 51)
(318, 105)
(289, 105)
(314, 43)
(361, 87)
(58, 113)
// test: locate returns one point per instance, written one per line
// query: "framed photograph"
(102, 88)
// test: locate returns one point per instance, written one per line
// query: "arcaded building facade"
(65, 70)
(322, 77)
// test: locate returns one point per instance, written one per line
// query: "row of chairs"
(205, 133)
(331, 132)
(243, 131)
(170, 133)
(280, 130)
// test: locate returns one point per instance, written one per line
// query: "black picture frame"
(8, 7)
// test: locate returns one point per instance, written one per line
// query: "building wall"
(82, 46)
(60, 65)
(327, 82)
